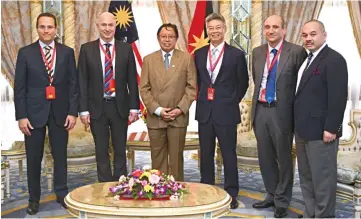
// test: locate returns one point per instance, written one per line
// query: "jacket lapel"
(260, 65)
(39, 59)
(159, 63)
(285, 53)
(118, 56)
(59, 59)
(308, 73)
(97, 58)
(203, 59)
(174, 63)
(224, 59)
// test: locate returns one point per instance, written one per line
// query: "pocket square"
(315, 72)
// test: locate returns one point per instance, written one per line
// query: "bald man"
(108, 95)
(274, 69)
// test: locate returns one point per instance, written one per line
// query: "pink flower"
(154, 179)
(144, 182)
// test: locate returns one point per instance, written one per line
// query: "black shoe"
(263, 204)
(300, 216)
(61, 202)
(280, 212)
(234, 203)
(33, 208)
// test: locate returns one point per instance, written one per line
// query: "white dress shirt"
(159, 109)
(303, 66)
(52, 44)
(219, 64)
(265, 70)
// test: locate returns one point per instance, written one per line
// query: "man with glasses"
(320, 103)
(222, 83)
(109, 95)
(168, 88)
(274, 69)
(46, 95)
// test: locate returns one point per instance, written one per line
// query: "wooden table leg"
(219, 163)
(3, 179)
(130, 156)
(7, 176)
(21, 178)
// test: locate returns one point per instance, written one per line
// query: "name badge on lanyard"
(110, 59)
(211, 90)
(49, 90)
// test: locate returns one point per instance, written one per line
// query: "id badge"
(50, 92)
(112, 85)
(210, 93)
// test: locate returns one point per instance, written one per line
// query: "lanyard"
(105, 53)
(212, 67)
(48, 66)
(269, 67)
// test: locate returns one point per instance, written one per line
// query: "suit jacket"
(230, 86)
(290, 60)
(321, 96)
(91, 79)
(170, 89)
(31, 80)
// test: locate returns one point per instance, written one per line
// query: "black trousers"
(227, 137)
(34, 146)
(110, 123)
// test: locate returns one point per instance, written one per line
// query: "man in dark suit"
(320, 103)
(222, 83)
(274, 69)
(108, 90)
(46, 95)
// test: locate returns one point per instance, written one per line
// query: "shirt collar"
(318, 51)
(277, 47)
(219, 47)
(103, 42)
(170, 53)
(42, 45)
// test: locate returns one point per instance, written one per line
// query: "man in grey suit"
(274, 68)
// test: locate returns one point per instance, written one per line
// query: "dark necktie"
(271, 80)
(309, 58)
(108, 69)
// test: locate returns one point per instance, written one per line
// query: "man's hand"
(85, 119)
(133, 116)
(328, 137)
(25, 126)
(70, 122)
(175, 113)
(165, 115)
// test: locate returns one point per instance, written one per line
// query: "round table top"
(200, 199)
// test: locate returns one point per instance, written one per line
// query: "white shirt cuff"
(134, 111)
(158, 111)
(85, 113)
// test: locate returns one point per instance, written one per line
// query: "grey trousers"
(274, 156)
(317, 167)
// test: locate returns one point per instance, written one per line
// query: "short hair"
(46, 14)
(317, 21)
(215, 16)
(283, 22)
(169, 25)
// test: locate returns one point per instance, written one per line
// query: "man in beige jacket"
(168, 88)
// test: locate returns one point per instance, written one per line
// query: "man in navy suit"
(46, 95)
(222, 83)
(320, 102)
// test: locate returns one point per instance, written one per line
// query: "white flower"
(147, 167)
(131, 183)
(122, 178)
(171, 178)
(116, 197)
(173, 197)
(154, 179)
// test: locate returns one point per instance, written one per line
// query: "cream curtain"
(15, 33)
(295, 13)
(355, 15)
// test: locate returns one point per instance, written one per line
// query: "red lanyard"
(105, 53)
(210, 58)
(48, 66)
(269, 67)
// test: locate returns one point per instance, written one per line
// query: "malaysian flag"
(126, 31)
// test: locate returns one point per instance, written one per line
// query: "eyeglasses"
(163, 37)
(217, 28)
(43, 27)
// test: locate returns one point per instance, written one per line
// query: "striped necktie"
(48, 59)
(108, 70)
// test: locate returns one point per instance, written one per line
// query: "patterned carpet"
(251, 190)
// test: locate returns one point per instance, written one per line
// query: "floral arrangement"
(143, 115)
(147, 184)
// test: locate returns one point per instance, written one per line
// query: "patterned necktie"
(166, 61)
(309, 58)
(48, 59)
(271, 80)
(108, 69)
(214, 57)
